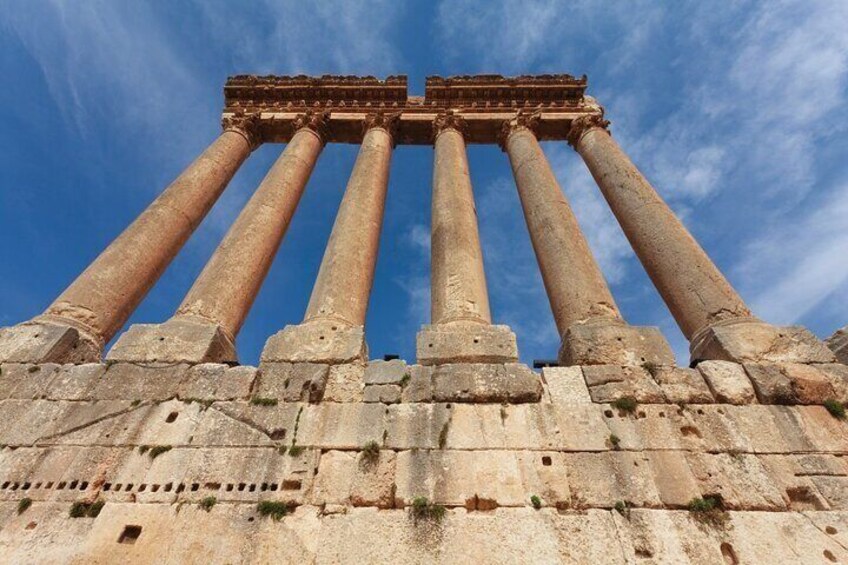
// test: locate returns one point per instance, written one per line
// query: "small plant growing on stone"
(24, 505)
(836, 408)
(296, 450)
(404, 380)
(371, 452)
(709, 511)
(536, 502)
(623, 508)
(86, 509)
(273, 509)
(615, 442)
(158, 450)
(651, 367)
(423, 509)
(626, 404)
(142, 449)
(208, 502)
(95, 508)
(260, 401)
(135, 402)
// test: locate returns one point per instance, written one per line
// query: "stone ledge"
(465, 343)
(608, 342)
(317, 341)
(174, 341)
(481, 383)
(46, 342)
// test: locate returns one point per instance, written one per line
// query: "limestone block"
(674, 481)
(740, 479)
(543, 475)
(26, 381)
(318, 341)
(385, 372)
(46, 342)
(86, 423)
(345, 383)
(752, 341)
(141, 478)
(610, 343)
(599, 480)
(177, 340)
(837, 376)
(838, 343)
(292, 382)
(653, 427)
(581, 427)
(76, 382)
(246, 420)
(127, 381)
(473, 382)
(346, 477)
(419, 388)
(834, 490)
(465, 343)
(566, 385)
(387, 394)
(728, 382)
(531, 426)
(757, 425)
(216, 381)
(474, 426)
(56, 537)
(341, 425)
(790, 423)
(680, 385)
(25, 421)
(36, 473)
(793, 480)
(760, 537)
(771, 384)
(608, 383)
(662, 536)
(419, 426)
(825, 433)
(811, 386)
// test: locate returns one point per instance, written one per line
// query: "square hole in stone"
(546, 461)
(130, 534)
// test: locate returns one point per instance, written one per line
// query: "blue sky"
(736, 111)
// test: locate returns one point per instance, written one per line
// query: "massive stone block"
(609, 343)
(465, 343)
(45, 342)
(175, 341)
(318, 341)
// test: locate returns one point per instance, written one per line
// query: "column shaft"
(101, 299)
(694, 289)
(457, 279)
(346, 274)
(575, 286)
(228, 285)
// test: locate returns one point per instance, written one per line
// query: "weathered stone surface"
(680, 385)
(465, 343)
(140, 382)
(45, 342)
(419, 388)
(345, 383)
(292, 382)
(317, 341)
(385, 372)
(609, 343)
(472, 382)
(728, 382)
(351, 478)
(837, 375)
(176, 341)
(608, 383)
(25, 381)
(566, 385)
(838, 343)
(599, 480)
(810, 385)
(387, 394)
(215, 381)
(740, 480)
(751, 341)
(771, 384)
(75, 382)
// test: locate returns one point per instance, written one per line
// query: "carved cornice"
(315, 121)
(246, 125)
(383, 120)
(496, 91)
(449, 120)
(521, 120)
(583, 124)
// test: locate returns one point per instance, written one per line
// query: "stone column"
(97, 304)
(708, 310)
(206, 323)
(333, 327)
(461, 327)
(589, 322)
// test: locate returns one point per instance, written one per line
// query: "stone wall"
(389, 462)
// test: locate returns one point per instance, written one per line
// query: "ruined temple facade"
(166, 449)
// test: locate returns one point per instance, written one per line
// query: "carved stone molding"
(521, 120)
(385, 120)
(449, 120)
(315, 121)
(583, 124)
(246, 125)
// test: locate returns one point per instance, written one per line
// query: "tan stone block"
(680, 385)
(752, 341)
(465, 343)
(345, 477)
(655, 426)
(127, 381)
(837, 376)
(544, 474)
(474, 382)
(798, 490)
(25, 421)
(838, 343)
(771, 384)
(418, 426)
(102, 422)
(826, 433)
(608, 383)
(420, 385)
(728, 382)
(566, 385)
(531, 426)
(385, 372)
(292, 382)
(761, 537)
(599, 480)
(46, 343)
(674, 480)
(317, 341)
(76, 382)
(708, 427)
(214, 381)
(581, 427)
(341, 425)
(345, 383)
(740, 480)
(662, 536)
(177, 340)
(611, 342)
(248, 424)
(811, 386)
(474, 427)
(387, 394)
(757, 424)
(25, 381)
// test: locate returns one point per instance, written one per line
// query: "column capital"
(449, 120)
(583, 124)
(521, 120)
(247, 125)
(387, 121)
(316, 122)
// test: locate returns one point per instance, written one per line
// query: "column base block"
(317, 341)
(465, 343)
(610, 342)
(174, 341)
(838, 343)
(47, 342)
(745, 341)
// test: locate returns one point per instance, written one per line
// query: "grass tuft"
(709, 511)
(615, 442)
(296, 450)
(536, 502)
(836, 408)
(260, 401)
(86, 509)
(423, 509)
(208, 502)
(371, 452)
(24, 505)
(626, 404)
(158, 450)
(273, 509)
